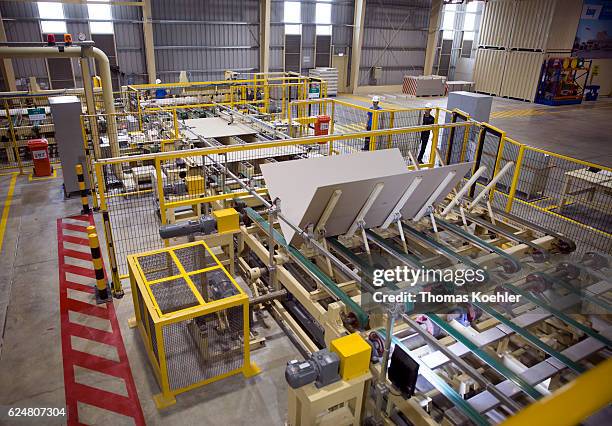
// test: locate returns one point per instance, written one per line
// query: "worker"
(160, 93)
(428, 119)
(375, 106)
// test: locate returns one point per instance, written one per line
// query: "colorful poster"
(594, 35)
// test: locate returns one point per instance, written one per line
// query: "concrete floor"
(30, 359)
(580, 131)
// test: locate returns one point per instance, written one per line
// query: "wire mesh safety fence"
(22, 119)
(193, 317)
(566, 195)
(144, 192)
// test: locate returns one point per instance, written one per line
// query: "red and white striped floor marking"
(78, 279)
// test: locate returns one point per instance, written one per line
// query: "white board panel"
(215, 127)
(305, 188)
(296, 182)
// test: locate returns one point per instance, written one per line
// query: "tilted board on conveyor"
(305, 188)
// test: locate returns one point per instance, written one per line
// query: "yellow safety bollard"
(84, 199)
(103, 294)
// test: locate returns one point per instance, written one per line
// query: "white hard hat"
(428, 105)
(375, 99)
(158, 81)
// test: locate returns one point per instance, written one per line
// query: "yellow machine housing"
(354, 353)
(195, 185)
(227, 220)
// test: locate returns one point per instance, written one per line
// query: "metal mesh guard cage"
(193, 318)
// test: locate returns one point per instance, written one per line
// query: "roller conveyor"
(442, 249)
(486, 358)
(326, 281)
(509, 263)
(539, 253)
(554, 279)
(557, 313)
(530, 337)
(440, 384)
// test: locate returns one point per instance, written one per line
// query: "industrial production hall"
(306, 212)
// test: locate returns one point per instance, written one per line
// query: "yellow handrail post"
(515, 178)
(466, 136)
(374, 127)
(498, 160)
(434, 140)
(160, 195)
(391, 125)
(14, 146)
(333, 117)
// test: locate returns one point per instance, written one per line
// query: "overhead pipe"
(77, 51)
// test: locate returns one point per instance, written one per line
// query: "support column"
(358, 23)
(147, 27)
(6, 64)
(264, 35)
(432, 35)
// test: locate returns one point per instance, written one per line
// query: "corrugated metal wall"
(394, 38)
(26, 29)
(521, 74)
(564, 26)
(489, 70)
(205, 38)
(129, 43)
(21, 23)
(342, 32)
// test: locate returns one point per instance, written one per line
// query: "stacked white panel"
(489, 71)
(531, 24)
(497, 22)
(329, 75)
(521, 73)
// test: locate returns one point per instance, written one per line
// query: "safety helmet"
(375, 99)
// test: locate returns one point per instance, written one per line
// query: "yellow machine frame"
(142, 287)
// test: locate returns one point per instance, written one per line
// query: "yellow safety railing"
(158, 194)
(568, 195)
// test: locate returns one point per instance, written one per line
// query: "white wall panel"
(489, 70)
(521, 74)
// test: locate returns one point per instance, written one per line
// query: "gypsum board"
(485, 357)
(460, 362)
(316, 273)
(440, 384)
(567, 246)
(556, 278)
(367, 269)
(510, 264)
(405, 258)
(539, 255)
(557, 313)
(442, 249)
(530, 338)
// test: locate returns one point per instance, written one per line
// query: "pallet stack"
(329, 75)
